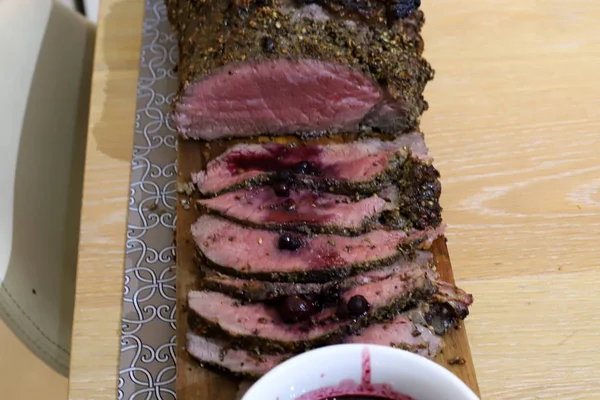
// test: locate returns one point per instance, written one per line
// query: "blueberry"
(295, 309)
(282, 189)
(303, 167)
(290, 242)
(358, 305)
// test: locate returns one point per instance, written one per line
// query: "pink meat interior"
(275, 97)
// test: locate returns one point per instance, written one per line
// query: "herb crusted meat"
(418, 329)
(260, 254)
(277, 67)
(359, 166)
(336, 189)
(302, 209)
(260, 326)
(254, 290)
(305, 241)
(400, 332)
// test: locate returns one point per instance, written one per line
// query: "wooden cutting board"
(196, 383)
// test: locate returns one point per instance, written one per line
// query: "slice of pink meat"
(400, 332)
(216, 352)
(358, 161)
(256, 290)
(262, 206)
(275, 97)
(259, 321)
(255, 252)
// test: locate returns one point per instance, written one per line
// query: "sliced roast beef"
(313, 211)
(260, 326)
(256, 290)
(357, 166)
(292, 257)
(275, 68)
(400, 332)
(302, 209)
(276, 97)
(217, 353)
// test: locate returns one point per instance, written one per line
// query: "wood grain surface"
(99, 290)
(514, 126)
(196, 383)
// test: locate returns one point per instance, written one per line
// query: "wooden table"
(514, 126)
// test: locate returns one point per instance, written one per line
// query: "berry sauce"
(278, 157)
(351, 390)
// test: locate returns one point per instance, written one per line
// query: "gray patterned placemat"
(147, 364)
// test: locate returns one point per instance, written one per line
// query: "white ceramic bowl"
(405, 372)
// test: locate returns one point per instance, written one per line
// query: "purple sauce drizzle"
(280, 157)
(350, 390)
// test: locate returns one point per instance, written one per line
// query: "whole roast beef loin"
(277, 67)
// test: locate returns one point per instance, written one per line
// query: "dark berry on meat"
(287, 241)
(282, 189)
(296, 309)
(357, 305)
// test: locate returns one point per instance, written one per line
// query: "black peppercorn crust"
(215, 33)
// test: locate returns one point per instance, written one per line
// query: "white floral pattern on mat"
(147, 365)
